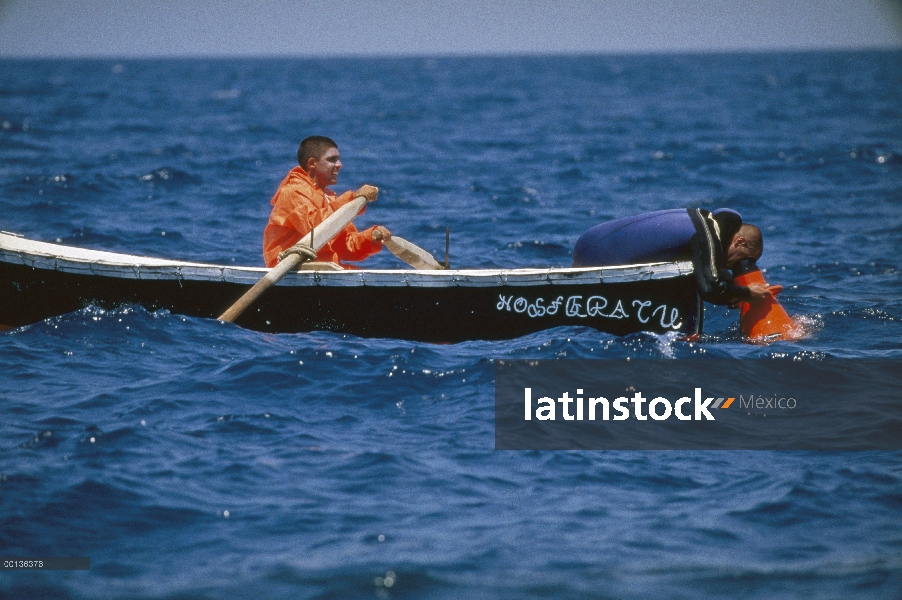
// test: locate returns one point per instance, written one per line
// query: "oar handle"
(321, 235)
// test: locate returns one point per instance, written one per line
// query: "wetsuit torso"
(669, 235)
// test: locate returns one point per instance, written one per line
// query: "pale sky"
(316, 28)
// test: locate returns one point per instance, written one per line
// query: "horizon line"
(451, 54)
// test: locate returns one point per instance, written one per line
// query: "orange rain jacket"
(298, 207)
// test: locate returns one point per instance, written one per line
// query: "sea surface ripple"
(193, 459)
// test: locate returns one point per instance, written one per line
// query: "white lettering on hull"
(593, 306)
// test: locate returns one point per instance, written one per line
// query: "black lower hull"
(431, 314)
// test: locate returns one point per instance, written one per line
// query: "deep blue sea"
(194, 459)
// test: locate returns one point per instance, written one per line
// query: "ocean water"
(194, 459)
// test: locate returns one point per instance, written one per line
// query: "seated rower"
(714, 242)
(304, 200)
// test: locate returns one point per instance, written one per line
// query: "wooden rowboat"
(39, 280)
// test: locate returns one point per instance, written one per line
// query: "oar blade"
(412, 254)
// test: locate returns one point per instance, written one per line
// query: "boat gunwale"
(82, 261)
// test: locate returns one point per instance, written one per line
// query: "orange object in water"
(766, 319)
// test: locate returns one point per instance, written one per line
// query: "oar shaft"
(322, 234)
(269, 280)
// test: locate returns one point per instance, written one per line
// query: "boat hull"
(39, 280)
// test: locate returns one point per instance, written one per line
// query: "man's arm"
(370, 192)
(358, 245)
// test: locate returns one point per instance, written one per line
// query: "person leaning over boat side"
(721, 241)
(715, 242)
(304, 200)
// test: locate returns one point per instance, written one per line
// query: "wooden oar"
(321, 235)
(412, 254)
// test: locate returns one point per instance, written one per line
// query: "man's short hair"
(314, 147)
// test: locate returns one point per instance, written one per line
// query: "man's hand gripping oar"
(301, 252)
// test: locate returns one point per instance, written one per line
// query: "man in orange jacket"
(303, 201)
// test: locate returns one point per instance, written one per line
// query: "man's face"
(325, 169)
(739, 250)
